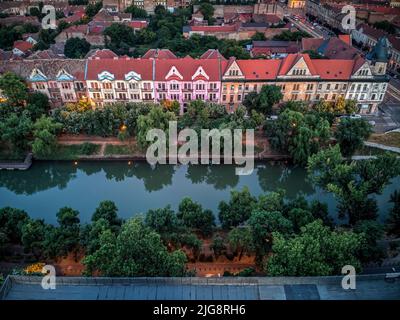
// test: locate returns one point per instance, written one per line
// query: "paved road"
(315, 33)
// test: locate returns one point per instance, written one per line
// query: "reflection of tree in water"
(90, 167)
(154, 177)
(292, 179)
(220, 176)
(41, 176)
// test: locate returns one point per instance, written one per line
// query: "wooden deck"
(26, 164)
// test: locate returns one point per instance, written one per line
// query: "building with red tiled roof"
(159, 54)
(273, 49)
(332, 48)
(107, 78)
(21, 47)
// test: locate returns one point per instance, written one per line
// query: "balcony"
(161, 89)
(94, 89)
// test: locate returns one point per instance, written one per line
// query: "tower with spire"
(379, 56)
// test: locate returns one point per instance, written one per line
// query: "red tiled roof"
(82, 28)
(311, 43)
(187, 67)
(119, 67)
(226, 28)
(103, 54)
(345, 38)
(159, 54)
(289, 61)
(334, 69)
(23, 45)
(138, 24)
(259, 69)
(272, 18)
(212, 54)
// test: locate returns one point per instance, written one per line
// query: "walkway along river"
(136, 187)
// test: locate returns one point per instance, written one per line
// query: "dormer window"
(233, 72)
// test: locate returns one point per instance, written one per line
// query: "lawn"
(391, 139)
(371, 151)
(71, 152)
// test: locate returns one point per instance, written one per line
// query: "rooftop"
(225, 288)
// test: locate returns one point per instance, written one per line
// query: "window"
(162, 96)
(231, 98)
(96, 96)
(224, 97)
(120, 85)
(108, 96)
(365, 87)
(79, 86)
(148, 96)
(133, 85)
(40, 86)
(344, 87)
(200, 86)
(310, 86)
(122, 96)
(200, 96)
(307, 97)
(94, 85)
(336, 86)
(135, 96)
(240, 87)
(328, 86)
(239, 97)
(107, 85)
(188, 96)
(317, 97)
(320, 86)
(233, 72)
(296, 87)
(175, 97)
(147, 86)
(66, 85)
(68, 96)
(174, 86)
(213, 86)
(187, 86)
(255, 87)
(334, 97)
(246, 87)
(294, 96)
(232, 87)
(359, 87)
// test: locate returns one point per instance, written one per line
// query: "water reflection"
(138, 187)
(290, 178)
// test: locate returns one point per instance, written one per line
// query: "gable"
(173, 73)
(64, 76)
(300, 68)
(37, 75)
(234, 70)
(200, 73)
(132, 75)
(363, 71)
(105, 75)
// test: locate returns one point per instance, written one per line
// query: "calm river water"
(47, 186)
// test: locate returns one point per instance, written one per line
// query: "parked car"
(272, 118)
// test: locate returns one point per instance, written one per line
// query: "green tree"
(108, 211)
(316, 251)
(193, 216)
(351, 134)
(258, 36)
(14, 89)
(353, 183)
(136, 251)
(393, 221)
(90, 235)
(136, 11)
(241, 241)
(119, 37)
(93, 8)
(162, 220)
(76, 48)
(265, 100)
(11, 223)
(37, 105)
(157, 118)
(33, 235)
(262, 224)
(237, 210)
(372, 232)
(207, 11)
(15, 129)
(45, 136)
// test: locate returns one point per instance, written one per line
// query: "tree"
(119, 37)
(265, 100)
(157, 118)
(298, 134)
(14, 89)
(193, 216)
(136, 11)
(33, 235)
(44, 134)
(241, 240)
(316, 251)
(207, 11)
(108, 211)
(76, 48)
(162, 220)
(386, 26)
(393, 221)
(15, 129)
(37, 105)
(237, 210)
(90, 235)
(11, 223)
(93, 8)
(372, 232)
(258, 36)
(353, 183)
(136, 251)
(351, 134)
(262, 224)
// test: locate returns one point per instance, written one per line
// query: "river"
(136, 187)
